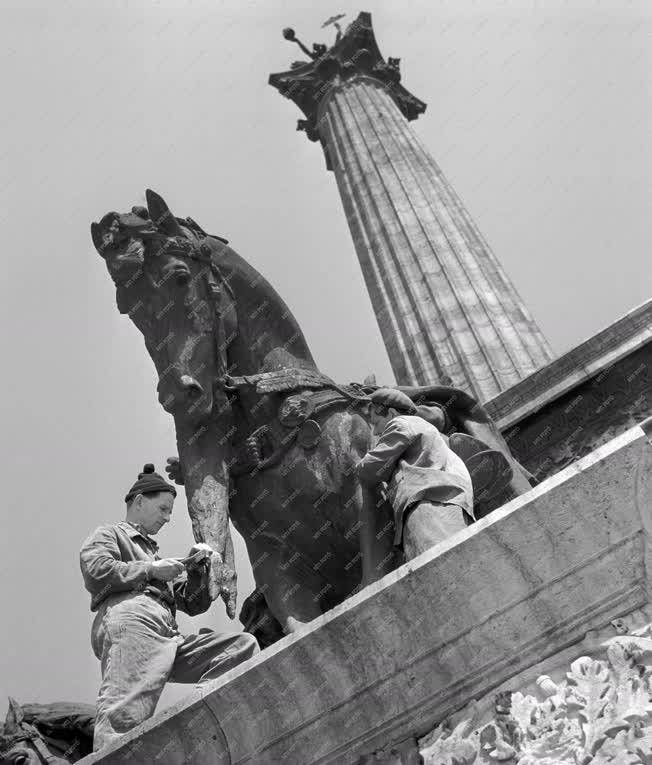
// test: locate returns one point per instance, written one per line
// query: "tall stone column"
(444, 305)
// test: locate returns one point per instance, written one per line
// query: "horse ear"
(161, 214)
(98, 230)
(370, 379)
(96, 234)
(14, 717)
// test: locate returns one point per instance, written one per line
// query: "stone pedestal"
(444, 305)
(582, 399)
(368, 680)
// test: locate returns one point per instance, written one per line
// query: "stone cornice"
(621, 338)
(355, 53)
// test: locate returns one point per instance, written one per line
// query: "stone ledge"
(397, 658)
(591, 357)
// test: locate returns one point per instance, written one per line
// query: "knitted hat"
(149, 482)
(396, 399)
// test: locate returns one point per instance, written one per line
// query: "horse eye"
(20, 760)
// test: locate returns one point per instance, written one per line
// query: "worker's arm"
(380, 462)
(102, 569)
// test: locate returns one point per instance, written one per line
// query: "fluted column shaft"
(444, 305)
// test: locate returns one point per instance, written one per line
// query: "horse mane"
(237, 264)
(233, 268)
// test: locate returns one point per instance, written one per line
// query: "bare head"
(165, 272)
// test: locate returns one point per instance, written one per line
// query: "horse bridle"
(217, 284)
(34, 738)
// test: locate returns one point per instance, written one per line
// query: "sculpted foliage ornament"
(601, 713)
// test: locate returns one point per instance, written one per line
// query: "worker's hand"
(167, 569)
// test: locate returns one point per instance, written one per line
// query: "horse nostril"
(191, 385)
(178, 271)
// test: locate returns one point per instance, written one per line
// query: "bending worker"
(429, 486)
(136, 594)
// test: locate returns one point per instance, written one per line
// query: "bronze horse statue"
(264, 438)
(46, 734)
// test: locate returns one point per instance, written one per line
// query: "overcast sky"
(538, 113)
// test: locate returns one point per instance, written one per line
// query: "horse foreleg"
(292, 604)
(292, 601)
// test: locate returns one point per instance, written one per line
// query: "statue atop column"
(444, 305)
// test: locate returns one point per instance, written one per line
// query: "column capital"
(354, 53)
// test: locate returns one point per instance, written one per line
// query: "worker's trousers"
(137, 641)
(425, 524)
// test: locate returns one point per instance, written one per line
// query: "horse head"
(168, 283)
(21, 743)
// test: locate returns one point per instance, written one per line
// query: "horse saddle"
(296, 422)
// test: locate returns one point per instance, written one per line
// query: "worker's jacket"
(415, 460)
(115, 559)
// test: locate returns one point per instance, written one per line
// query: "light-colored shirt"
(116, 558)
(415, 460)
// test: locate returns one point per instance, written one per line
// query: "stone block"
(399, 657)
(582, 399)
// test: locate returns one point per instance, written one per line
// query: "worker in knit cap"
(428, 485)
(135, 595)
